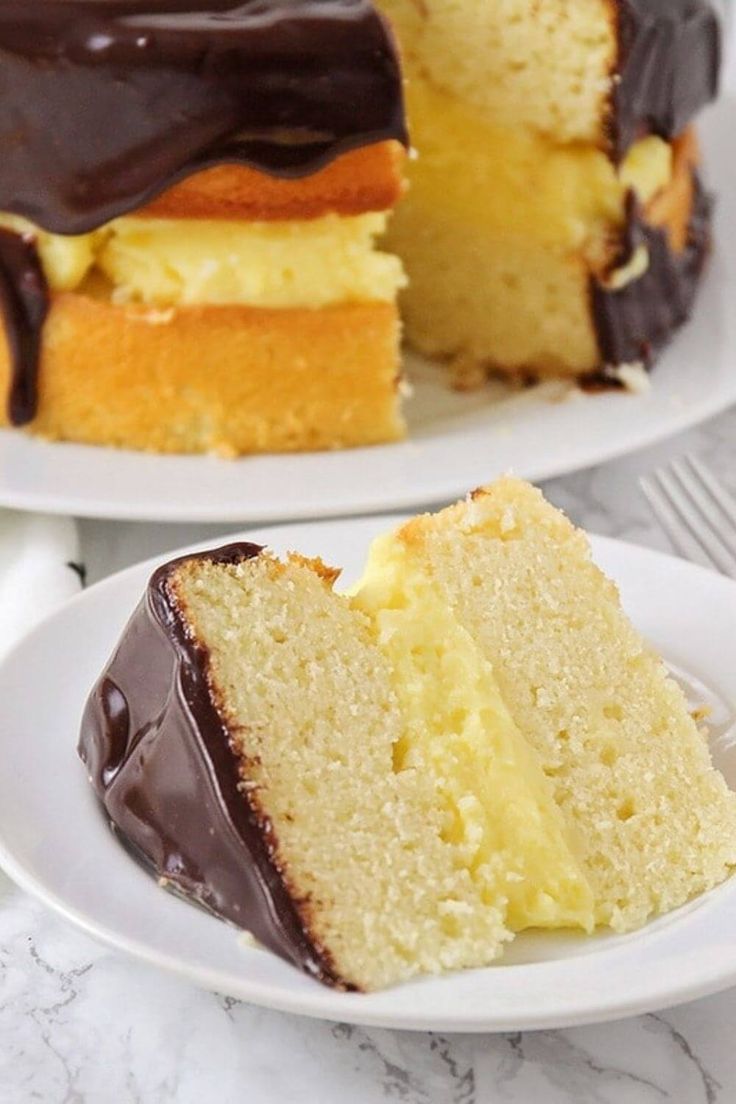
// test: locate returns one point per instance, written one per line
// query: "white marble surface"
(80, 1024)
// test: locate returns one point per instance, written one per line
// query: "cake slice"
(190, 206)
(473, 743)
(249, 740)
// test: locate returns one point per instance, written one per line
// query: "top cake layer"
(105, 103)
(597, 71)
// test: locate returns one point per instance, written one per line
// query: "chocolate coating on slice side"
(667, 68)
(105, 103)
(161, 762)
(635, 322)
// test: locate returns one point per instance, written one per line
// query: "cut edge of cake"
(631, 769)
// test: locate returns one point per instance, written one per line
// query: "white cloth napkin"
(35, 577)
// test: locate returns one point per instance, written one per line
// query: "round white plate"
(55, 843)
(455, 441)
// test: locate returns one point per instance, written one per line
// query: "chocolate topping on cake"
(105, 103)
(667, 67)
(633, 323)
(161, 762)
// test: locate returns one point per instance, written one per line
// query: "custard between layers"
(498, 810)
(173, 262)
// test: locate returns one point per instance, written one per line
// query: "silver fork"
(696, 512)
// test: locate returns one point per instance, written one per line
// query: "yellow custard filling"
(517, 184)
(498, 808)
(311, 263)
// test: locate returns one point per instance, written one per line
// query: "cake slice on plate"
(473, 743)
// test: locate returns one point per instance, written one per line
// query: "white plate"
(55, 843)
(456, 441)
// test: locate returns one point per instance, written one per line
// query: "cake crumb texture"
(313, 714)
(472, 742)
(652, 821)
(218, 378)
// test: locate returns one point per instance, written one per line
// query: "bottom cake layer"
(229, 380)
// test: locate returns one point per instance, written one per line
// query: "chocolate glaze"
(24, 306)
(160, 758)
(105, 103)
(633, 324)
(667, 67)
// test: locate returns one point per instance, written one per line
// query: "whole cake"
(555, 223)
(191, 198)
(474, 742)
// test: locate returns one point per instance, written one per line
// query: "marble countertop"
(80, 1024)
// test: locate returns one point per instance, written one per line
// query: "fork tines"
(695, 510)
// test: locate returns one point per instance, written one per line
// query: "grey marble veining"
(80, 1024)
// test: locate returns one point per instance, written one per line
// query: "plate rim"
(695, 380)
(369, 504)
(403, 482)
(315, 1003)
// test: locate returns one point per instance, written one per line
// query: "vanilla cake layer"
(413, 869)
(473, 742)
(225, 379)
(595, 71)
(504, 236)
(650, 820)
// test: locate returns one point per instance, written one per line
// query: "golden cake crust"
(673, 207)
(365, 179)
(223, 379)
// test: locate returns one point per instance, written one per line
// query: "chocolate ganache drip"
(160, 759)
(633, 323)
(24, 305)
(106, 103)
